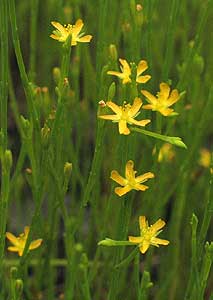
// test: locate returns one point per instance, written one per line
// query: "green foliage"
(56, 154)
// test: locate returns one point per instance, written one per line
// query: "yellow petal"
(150, 98)
(60, 27)
(120, 191)
(164, 91)
(109, 117)
(20, 252)
(141, 187)
(157, 226)
(77, 27)
(129, 171)
(114, 107)
(12, 238)
(158, 241)
(122, 126)
(35, 244)
(85, 39)
(144, 247)
(118, 178)
(144, 177)
(148, 106)
(174, 97)
(143, 79)
(13, 249)
(142, 66)
(135, 107)
(55, 37)
(118, 74)
(143, 224)
(166, 111)
(125, 66)
(135, 239)
(26, 230)
(126, 80)
(139, 123)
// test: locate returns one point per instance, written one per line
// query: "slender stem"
(33, 38)
(5, 171)
(23, 74)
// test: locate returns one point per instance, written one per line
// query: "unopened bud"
(113, 52)
(67, 169)
(13, 272)
(28, 171)
(19, 287)
(102, 103)
(27, 130)
(139, 7)
(45, 132)
(8, 160)
(111, 91)
(78, 247)
(56, 75)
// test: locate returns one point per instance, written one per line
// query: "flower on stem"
(20, 241)
(148, 235)
(126, 72)
(205, 158)
(162, 101)
(62, 32)
(125, 115)
(130, 182)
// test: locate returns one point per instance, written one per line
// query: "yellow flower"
(163, 100)
(62, 33)
(148, 235)
(126, 72)
(166, 153)
(130, 182)
(205, 158)
(20, 241)
(125, 115)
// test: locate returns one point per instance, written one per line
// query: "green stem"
(171, 28)
(5, 170)
(26, 84)
(33, 36)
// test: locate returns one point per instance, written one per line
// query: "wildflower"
(130, 182)
(148, 235)
(62, 33)
(205, 158)
(166, 153)
(126, 72)
(20, 241)
(125, 115)
(163, 100)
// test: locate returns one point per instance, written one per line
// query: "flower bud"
(56, 75)
(19, 287)
(111, 91)
(67, 169)
(8, 160)
(113, 52)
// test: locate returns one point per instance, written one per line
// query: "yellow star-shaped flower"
(124, 115)
(126, 72)
(62, 33)
(20, 241)
(148, 235)
(130, 182)
(163, 100)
